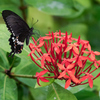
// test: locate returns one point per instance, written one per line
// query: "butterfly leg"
(10, 54)
(13, 55)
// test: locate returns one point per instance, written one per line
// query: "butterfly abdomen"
(16, 45)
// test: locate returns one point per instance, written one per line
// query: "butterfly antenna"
(34, 23)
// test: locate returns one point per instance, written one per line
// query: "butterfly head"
(31, 31)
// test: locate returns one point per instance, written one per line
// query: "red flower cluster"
(65, 57)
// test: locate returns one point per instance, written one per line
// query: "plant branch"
(23, 76)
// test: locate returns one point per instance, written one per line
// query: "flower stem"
(23, 76)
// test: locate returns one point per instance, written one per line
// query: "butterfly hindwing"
(19, 29)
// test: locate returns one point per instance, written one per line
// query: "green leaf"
(55, 91)
(8, 88)
(71, 89)
(13, 61)
(97, 80)
(4, 2)
(85, 3)
(52, 92)
(12, 5)
(86, 95)
(39, 93)
(4, 64)
(4, 36)
(20, 92)
(23, 93)
(58, 7)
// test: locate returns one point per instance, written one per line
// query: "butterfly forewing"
(19, 29)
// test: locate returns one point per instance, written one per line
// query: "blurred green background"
(81, 17)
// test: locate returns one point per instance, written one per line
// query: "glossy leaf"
(86, 95)
(13, 61)
(51, 92)
(8, 88)
(4, 63)
(58, 7)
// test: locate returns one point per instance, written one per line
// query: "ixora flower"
(65, 58)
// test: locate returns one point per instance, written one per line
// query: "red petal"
(41, 44)
(38, 81)
(83, 78)
(98, 62)
(70, 66)
(89, 47)
(41, 73)
(47, 37)
(67, 83)
(83, 57)
(87, 52)
(62, 74)
(31, 45)
(80, 63)
(97, 53)
(95, 64)
(43, 79)
(72, 76)
(76, 50)
(57, 50)
(42, 62)
(48, 59)
(92, 56)
(60, 66)
(73, 70)
(90, 82)
(37, 74)
(72, 59)
(68, 48)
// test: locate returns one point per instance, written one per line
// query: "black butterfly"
(19, 29)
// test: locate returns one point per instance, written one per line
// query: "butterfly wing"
(19, 29)
(16, 25)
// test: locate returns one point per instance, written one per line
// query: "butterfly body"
(19, 31)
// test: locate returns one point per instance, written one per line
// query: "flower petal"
(60, 66)
(67, 84)
(43, 79)
(90, 82)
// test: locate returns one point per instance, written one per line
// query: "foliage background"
(81, 17)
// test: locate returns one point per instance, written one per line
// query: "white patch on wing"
(20, 43)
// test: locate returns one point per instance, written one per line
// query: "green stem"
(23, 76)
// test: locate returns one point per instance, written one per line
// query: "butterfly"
(19, 31)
